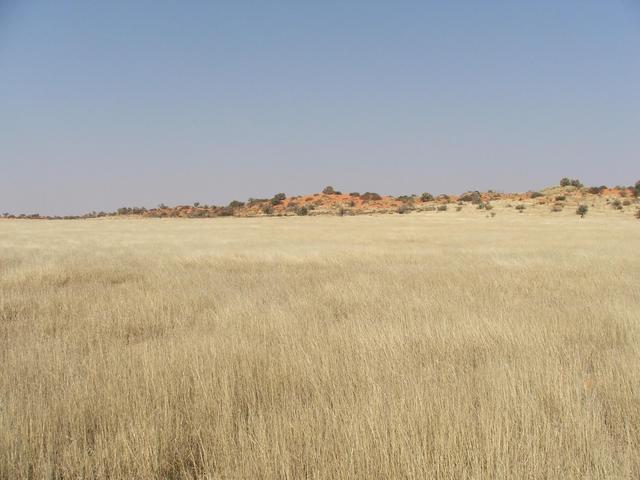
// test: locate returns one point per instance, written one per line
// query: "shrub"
(404, 208)
(557, 207)
(426, 197)
(536, 194)
(458, 208)
(430, 208)
(328, 190)
(236, 204)
(196, 204)
(254, 201)
(582, 210)
(597, 190)
(405, 198)
(570, 182)
(473, 197)
(561, 198)
(488, 206)
(302, 211)
(370, 196)
(278, 198)
(442, 208)
(267, 209)
(616, 204)
(225, 212)
(520, 207)
(626, 203)
(354, 194)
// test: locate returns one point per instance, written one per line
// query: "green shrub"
(236, 204)
(573, 182)
(278, 198)
(520, 207)
(426, 197)
(302, 211)
(582, 210)
(404, 208)
(616, 204)
(473, 197)
(536, 194)
(370, 196)
(354, 194)
(328, 190)
(267, 209)
(561, 198)
(442, 208)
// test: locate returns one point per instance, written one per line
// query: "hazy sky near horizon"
(105, 104)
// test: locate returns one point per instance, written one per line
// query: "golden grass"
(428, 345)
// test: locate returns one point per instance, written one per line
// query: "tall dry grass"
(421, 346)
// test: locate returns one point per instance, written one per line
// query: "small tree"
(426, 197)
(565, 181)
(582, 210)
(328, 190)
(278, 198)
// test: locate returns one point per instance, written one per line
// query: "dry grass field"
(433, 345)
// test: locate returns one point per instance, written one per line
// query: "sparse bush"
(236, 204)
(405, 198)
(561, 198)
(430, 208)
(328, 190)
(225, 212)
(267, 209)
(488, 206)
(536, 194)
(520, 207)
(616, 204)
(426, 197)
(582, 210)
(473, 197)
(557, 207)
(573, 182)
(626, 203)
(278, 198)
(458, 208)
(442, 208)
(354, 194)
(404, 208)
(302, 211)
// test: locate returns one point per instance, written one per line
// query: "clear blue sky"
(112, 103)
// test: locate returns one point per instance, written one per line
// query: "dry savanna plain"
(431, 345)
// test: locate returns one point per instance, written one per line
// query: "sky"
(120, 103)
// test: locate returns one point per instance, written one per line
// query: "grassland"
(433, 345)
